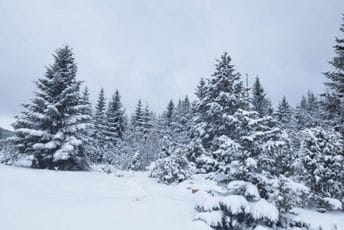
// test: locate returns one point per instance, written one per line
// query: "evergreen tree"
(284, 114)
(99, 117)
(169, 113)
(137, 120)
(322, 165)
(334, 97)
(148, 122)
(259, 101)
(51, 128)
(99, 121)
(301, 114)
(223, 95)
(115, 120)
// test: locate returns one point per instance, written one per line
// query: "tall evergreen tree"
(99, 117)
(284, 114)
(137, 119)
(115, 120)
(223, 95)
(169, 113)
(334, 97)
(51, 128)
(148, 121)
(260, 103)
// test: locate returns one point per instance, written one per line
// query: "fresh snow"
(334, 203)
(55, 200)
(42, 199)
(264, 210)
(327, 221)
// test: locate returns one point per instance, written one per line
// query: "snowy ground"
(41, 199)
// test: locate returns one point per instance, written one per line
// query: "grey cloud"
(157, 50)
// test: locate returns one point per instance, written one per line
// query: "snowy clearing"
(42, 199)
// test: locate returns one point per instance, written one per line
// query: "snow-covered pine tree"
(259, 102)
(90, 144)
(334, 96)
(217, 99)
(301, 114)
(148, 122)
(137, 120)
(168, 115)
(115, 120)
(223, 95)
(99, 121)
(196, 106)
(284, 114)
(50, 128)
(322, 166)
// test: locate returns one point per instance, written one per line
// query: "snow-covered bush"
(171, 169)
(8, 153)
(241, 208)
(137, 162)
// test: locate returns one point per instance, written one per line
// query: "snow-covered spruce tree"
(137, 119)
(322, 166)
(51, 128)
(115, 120)
(90, 142)
(99, 121)
(334, 97)
(259, 102)
(224, 95)
(284, 114)
(217, 98)
(114, 131)
(168, 114)
(301, 114)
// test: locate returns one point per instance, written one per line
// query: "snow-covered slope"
(55, 200)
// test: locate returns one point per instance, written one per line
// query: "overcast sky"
(157, 50)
